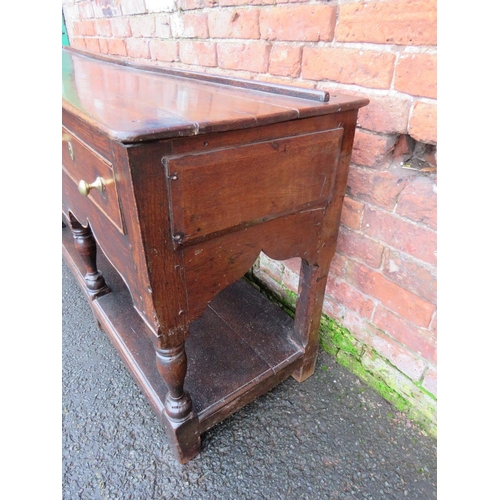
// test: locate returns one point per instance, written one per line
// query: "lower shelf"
(239, 349)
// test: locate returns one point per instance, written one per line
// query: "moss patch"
(378, 373)
(332, 333)
(355, 366)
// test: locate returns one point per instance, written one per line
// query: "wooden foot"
(86, 247)
(179, 418)
(183, 437)
(312, 286)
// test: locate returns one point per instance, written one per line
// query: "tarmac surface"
(331, 437)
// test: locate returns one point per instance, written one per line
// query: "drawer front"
(215, 191)
(80, 162)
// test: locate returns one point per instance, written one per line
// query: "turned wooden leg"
(180, 419)
(312, 286)
(172, 365)
(86, 247)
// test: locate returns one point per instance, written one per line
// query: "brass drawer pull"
(84, 188)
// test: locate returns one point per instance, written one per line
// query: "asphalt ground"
(331, 437)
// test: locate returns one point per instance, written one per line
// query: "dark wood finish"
(206, 188)
(172, 365)
(146, 105)
(86, 247)
(316, 95)
(79, 161)
(201, 174)
(263, 351)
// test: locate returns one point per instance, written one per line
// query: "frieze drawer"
(92, 175)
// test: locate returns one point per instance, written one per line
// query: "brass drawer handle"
(71, 152)
(84, 188)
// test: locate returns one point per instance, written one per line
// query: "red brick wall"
(382, 284)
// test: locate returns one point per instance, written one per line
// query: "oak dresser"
(173, 183)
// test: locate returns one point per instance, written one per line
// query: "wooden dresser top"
(133, 103)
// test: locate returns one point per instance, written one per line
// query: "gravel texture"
(331, 437)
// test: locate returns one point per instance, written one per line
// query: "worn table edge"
(320, 102)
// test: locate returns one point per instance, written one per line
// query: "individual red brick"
(285, 60)
(84, 28)
(103, 45)
(137, 47)
(198, 53)
(143, 26)
(357, 246)
(430, 380)
(371, 150)
(271, 267)
(103, 27)
(397, 299)
(385, 114)
(234, 24)
(293, 265)
(131, 7)
(92, 45)
(241, 56)
(419, 340)
(418, 201)
(416, 74)
(352, 212)
(423, 122)
(241, 74)
(380, 188)
(348, 296)
(411, 274)
(164, 50)
(190, 25)
(78, 42)
(366, 68)
(338, 267)
(332, 308)
(117, 47)
(283, 80)
(74, 29)
(410, 364)
(162, 26)
(306, 23)
(120, 27)
(401, 234)
(403, 22)
(360, 327)
(290, 280)
(86, 10)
